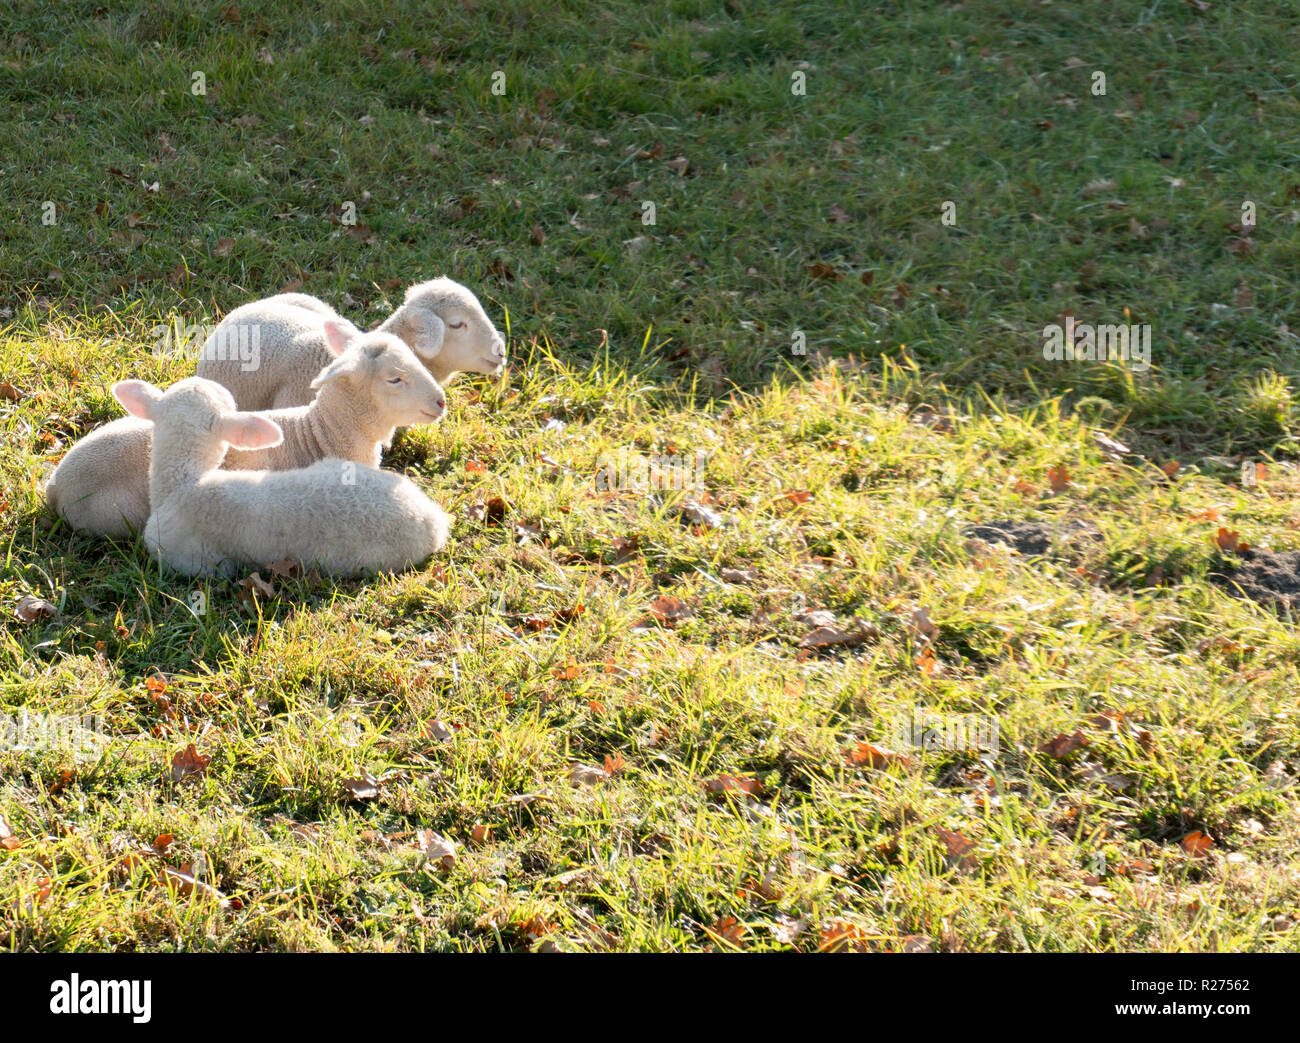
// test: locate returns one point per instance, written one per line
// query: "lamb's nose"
(442, 404)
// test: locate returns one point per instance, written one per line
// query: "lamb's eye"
(397, 380)
(458, 325)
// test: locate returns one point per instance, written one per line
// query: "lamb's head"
(199, 417)
(447, 327)
(384, 377)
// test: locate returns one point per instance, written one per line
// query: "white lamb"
(266, 352)
(343, 516)
(374, 385)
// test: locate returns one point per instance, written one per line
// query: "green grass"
(673, 345)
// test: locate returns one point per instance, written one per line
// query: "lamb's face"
(467, 341)
(401, 389)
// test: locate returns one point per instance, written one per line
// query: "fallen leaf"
(1229, 540)
(586, 775)
(1197, 844)
(364, 787)
(867, 754)
(30, 609)
(1059, 477)
(830, 637)
(190, 886)
(958, 847)
(822, 270)
(843, 937)
(223, 248)
(922, 626)
(739, 576)
(253, 585)
(188, 762)
(697, 514)
(285, 568)
(734, 784)
(1061, 746)
(728, 930)
(670, 611)
(614, 763)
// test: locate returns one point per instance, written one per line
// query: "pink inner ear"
(251, 432)
(338, 335)
(138, 397)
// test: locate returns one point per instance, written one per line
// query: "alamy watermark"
(229, 342)
(655, 472)
(32, 733)
(952, 733)
(1083, 342)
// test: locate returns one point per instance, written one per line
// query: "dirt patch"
(1260, 575)
(1033, 539)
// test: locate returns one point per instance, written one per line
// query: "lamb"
(343, 516)
(374, 385)
(440, 320)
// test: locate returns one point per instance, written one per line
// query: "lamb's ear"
(138, 397)
(339, 333)
(335, 369)
(422, 329)
(249, 431)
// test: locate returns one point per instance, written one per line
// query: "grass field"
(598, 722)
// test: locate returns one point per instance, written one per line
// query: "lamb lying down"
(341, 515)
(374, 385)
(440, 320)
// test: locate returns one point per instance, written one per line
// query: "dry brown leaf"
(285, 568)
(734, 784)
(1230, 541)
(727, 930)
(586, 775)
(187, 884)
(958, 847)
(363, 787)
(921, 626)
(1197, 844)
(697, 514)
(670, 610)
(253, 585)
(1061, 746)
(189, 762)
(831, 637)
(30, 609)
(869, 755)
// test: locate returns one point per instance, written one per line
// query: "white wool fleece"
(343, 516)
(374, 385)
(440, 320)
